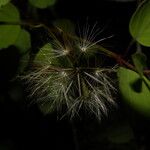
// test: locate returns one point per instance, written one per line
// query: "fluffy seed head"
(62, 78)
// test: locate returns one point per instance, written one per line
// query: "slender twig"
(128, 48)
(75, 136)
(119, 59)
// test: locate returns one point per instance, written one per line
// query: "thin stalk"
(75, 136)
(53, 30)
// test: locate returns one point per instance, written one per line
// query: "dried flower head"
(67, 75)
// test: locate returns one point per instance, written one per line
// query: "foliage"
(135, 90)
(42, 4)
(23, 41)
(140, 22)
(4, 2)
(9, 14)
(139, 60)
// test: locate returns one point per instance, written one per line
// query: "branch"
(119, 59)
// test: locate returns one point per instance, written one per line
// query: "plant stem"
(75, 136)
(107, 52)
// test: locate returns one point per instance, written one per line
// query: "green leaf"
(9, 33)
(23, 42)
(140, 24)
(135, 92)
(48, 56)
(139, 60)
(65, 25)
(42, 3)
(45, 55)
(9, 13)
(120, 134)
(15, 93)
(46, 107)
(24, 61)
(4, 2)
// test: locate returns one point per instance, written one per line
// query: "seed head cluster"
(67, 75)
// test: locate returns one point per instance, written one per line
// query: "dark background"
(24, 127)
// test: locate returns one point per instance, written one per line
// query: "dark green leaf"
(45, 55)
(120, 134)
(46, 107)
(139, 60)
(65, 25)
(24, 61)
(9, 33)
(140, 24)
(42, 3)
(9, 13)
(48, 56)
(139, 100)
(23, 42)
(4, 2)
